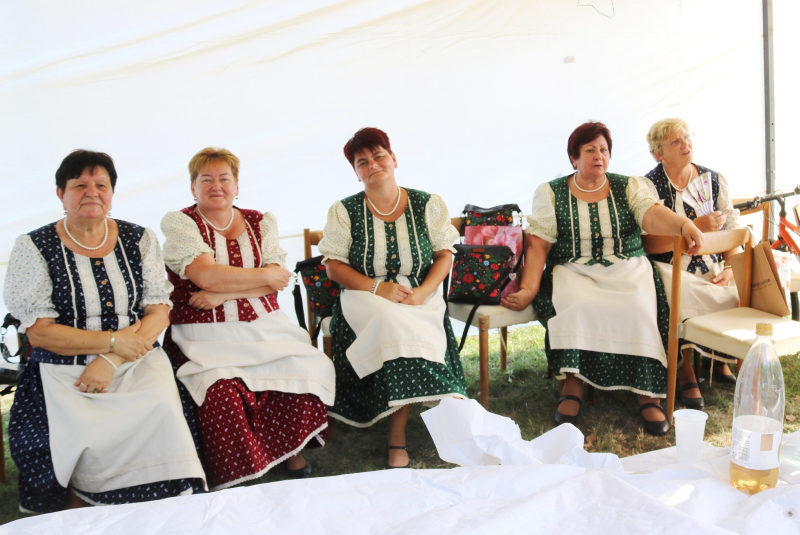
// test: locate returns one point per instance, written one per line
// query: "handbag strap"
(298, 305)
(505, 273)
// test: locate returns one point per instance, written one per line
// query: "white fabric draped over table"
(554, 491)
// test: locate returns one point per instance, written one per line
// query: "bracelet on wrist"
(727, 267)
(684, 224)
(375, 284)
(105, 358)
(111, 340)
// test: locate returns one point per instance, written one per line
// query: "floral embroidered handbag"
(478, 276)
(12, 366)
(321, 292)
(495, 226)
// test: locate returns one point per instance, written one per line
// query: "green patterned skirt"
(607, 371)
(362, 402)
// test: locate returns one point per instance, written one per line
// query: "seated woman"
(260, 387)
(601, 300)
(707, 284)
(91, 295)
(390, 248)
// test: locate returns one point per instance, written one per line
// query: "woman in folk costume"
(260, 387)
(96, 417)
(707, 285)
(592, 284)
(389, 248)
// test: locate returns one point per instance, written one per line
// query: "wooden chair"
(730, 331)
(312, 238)
(489, 317)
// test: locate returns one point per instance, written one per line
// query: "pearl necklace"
(575, 180)
(223, 229)
(399, 195)
(82, 246)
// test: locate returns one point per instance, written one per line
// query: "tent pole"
(769, 97)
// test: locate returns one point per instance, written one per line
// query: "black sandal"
(300, 473)
(691, 403)
(399, 448)
(654, 428)
(729, 379)
(561, 418)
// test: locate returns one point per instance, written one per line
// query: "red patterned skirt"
(245, 433)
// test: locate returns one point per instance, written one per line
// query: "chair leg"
(795, 306)
(327, 345)
(483, 343)
(2, 452)
(503, 347)
(698, 368)
(738, 365)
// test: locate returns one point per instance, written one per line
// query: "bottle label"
(755, 442)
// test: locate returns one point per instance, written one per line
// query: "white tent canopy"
(478, 96)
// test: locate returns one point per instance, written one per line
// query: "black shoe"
(691, 403)
(408, 464)
(722, 378)
(300, 473)
(654, 428)
(560, 418)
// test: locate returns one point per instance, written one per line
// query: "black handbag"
(321, 292)
(479, 274)
(12, 365)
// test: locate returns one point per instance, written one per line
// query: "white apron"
(270, 353)
(609, 309)
(132, 435)
(386, 331)
(699, 296)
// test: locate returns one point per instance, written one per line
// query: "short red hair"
(586, 133)
(366, 138)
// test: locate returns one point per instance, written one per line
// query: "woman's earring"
(195, 198)
(237, 197)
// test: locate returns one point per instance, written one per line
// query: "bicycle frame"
(784, 226)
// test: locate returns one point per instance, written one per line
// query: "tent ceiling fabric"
(478, 96)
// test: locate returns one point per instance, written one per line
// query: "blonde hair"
(213, 154)
(660, 131)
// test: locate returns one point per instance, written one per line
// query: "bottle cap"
(763, 329)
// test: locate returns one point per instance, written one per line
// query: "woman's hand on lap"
(96, 378)
(396, 293)
(724, 278)
(518, 300)
(418, 297)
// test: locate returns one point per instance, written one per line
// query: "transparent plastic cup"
(690, 426)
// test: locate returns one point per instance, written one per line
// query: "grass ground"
(611, 423)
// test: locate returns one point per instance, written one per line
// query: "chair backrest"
(310, 238)
(714, 243)
(458, 222)
(764, 208)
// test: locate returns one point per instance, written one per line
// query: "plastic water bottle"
(758, 406)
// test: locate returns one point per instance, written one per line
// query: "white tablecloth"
(646, 493)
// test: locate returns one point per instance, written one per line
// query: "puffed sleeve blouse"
(185, 243)
(28, 289)
(337, 240)
(542, 221)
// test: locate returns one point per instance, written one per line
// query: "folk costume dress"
(403, 353)
(128, 445)
(600, 298)
(699, 296)
(260, 387)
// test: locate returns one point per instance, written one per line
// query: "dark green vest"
(362, 231)
(625, 232)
